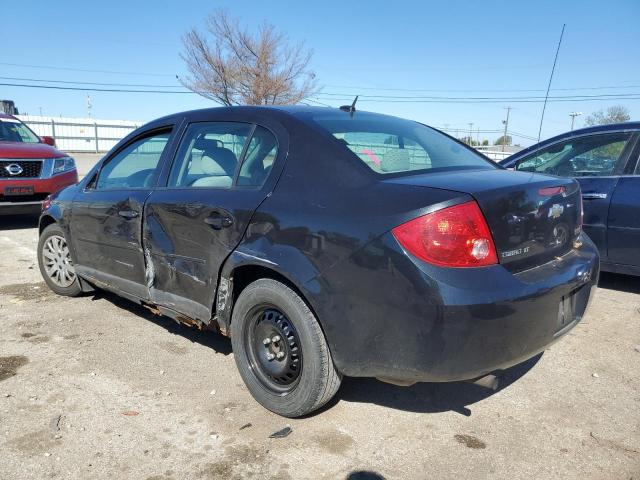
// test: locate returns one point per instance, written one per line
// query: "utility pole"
(471, 133)
(506, 128)
(573, 116)
(89, 105)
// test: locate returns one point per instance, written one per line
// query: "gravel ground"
(95, 387)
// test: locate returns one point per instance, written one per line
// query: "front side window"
(595, 155)
(135, 165)
(208, 155)
(12, 130)
(392, 145)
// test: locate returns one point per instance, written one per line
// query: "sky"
(501, 51)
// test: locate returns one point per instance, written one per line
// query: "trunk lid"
(533, 218)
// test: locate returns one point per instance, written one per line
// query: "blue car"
(604, 159)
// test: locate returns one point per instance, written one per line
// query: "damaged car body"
(327, 243)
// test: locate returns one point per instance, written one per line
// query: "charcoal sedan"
(327, 243)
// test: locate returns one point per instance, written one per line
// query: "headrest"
(207, 143)
(210, 167)
(223, 157)
(395, 160)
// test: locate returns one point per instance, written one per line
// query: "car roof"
(297, 111)
(611, 127)
(6, 115)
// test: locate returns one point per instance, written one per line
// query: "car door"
(596, 161)
(624, 217)
(221, 173)
(107, 214)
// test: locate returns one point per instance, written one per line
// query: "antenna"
(544, 107)
(350, 108)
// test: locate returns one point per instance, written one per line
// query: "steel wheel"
(57, 262)
(274, 349)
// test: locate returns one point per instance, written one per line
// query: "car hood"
(28, 150)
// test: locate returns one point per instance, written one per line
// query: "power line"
(75, 82)
(112, 84)
(505, 99)
(390, 99)
(49, 67)
(602, 87)
(85, 89)
(453, 100)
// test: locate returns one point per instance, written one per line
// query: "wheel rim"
(274, 349)
(57, 262)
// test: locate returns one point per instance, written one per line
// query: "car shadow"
(206, 338)
(419, 398)
(619, 281)
(364, 475)
(18, 222)
(427, 397)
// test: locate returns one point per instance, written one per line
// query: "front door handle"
(128, 214)
(594, 196)
(218, 221)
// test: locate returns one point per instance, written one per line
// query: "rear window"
(390, 145)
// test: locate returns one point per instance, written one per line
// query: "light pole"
(506, 127)
(573, 116)
(471, 133)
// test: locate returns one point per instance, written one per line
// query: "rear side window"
(589, 156)
(208, 155)
(389, 145)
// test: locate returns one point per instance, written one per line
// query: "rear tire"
(280, 350)
(55, 262)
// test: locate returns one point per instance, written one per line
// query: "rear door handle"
(128, 213)
(218, 221)
(594, 196)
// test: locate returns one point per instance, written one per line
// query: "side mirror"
(49, 141)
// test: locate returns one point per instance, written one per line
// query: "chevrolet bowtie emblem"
(556, 210)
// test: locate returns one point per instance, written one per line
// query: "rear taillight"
(456, 236)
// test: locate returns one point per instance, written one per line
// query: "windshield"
(392, 145)
(12, 130)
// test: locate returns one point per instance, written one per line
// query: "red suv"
(30, 167)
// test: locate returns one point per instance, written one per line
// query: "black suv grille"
(30, 168)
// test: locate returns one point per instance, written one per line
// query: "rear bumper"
(18, 205)
(436, 325)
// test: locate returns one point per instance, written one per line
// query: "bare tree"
(230, 65)
(614, 114)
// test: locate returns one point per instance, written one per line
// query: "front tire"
(55, 262)
(280, 350)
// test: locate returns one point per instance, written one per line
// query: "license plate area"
(17, 191)
(567, 312)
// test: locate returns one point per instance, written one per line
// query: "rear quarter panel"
(325, 211)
